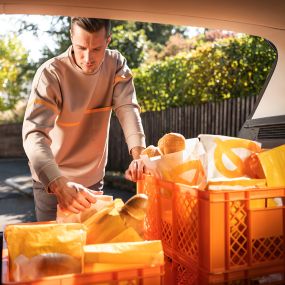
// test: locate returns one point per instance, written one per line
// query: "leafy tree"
(14, 75)
(159, 33)
(179, 43)
(133, 39)
(227, 68)
(131, 42)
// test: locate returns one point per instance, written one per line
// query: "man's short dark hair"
(92, 25)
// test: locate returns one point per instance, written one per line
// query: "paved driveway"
(16, 200)
(15, 206)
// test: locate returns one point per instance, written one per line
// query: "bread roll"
(57, 264)
(160, 145)
(171, 142)
(43, 265)
(151, 151)
(253, 167)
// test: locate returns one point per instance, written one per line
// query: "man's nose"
(87, 56)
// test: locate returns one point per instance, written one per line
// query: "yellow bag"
(125, 256)
(236, 184)
(273, 164)
(103, 257)
(46, 241)
(240, 184)
(129, 235)
(108, 226)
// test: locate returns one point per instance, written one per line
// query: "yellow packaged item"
(273, 164)
(107, 225)
(144, 253)
(105, 228)
(129, 234)
(236, 184)
(46, 245)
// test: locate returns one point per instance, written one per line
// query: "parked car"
(261, 18)
(265, 19)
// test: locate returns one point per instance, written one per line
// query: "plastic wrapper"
(68, 217)
(36, 244)
(129, 234)
(185, 166)
(236, 184)
(104, 257)
(107, 225)
(43, 265)
(226, 155)
(273, 164)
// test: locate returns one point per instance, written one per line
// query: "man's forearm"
(136, 151)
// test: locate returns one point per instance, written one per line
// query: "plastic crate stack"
(224, 237)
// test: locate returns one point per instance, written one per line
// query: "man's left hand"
(135, 170)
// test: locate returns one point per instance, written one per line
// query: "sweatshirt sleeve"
(41, 113)
(126, 106)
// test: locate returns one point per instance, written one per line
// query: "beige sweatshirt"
(66, 124)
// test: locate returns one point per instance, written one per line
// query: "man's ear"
(109, 39)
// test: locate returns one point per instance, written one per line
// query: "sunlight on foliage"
(13, 75)
(226, 68)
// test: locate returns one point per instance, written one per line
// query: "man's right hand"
(71, 196)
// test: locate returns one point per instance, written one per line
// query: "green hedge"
(227, 68)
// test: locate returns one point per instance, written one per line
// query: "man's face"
(89, 48)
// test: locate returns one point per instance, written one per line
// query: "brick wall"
(11, 141)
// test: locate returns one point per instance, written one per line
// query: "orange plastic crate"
(179, 273)
(142, 275)
(216, 231)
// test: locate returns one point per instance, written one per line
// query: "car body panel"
(262, 18)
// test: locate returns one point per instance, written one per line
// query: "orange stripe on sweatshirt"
(45, 103)
(89, 111)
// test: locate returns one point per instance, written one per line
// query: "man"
(66, 124)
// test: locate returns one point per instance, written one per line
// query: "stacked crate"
(216, 236)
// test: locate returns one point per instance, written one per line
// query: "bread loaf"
(151, 151)
(171, 142)
(44, 265)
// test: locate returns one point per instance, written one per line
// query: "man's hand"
(136, 167)
(72, 197)
(135, 170)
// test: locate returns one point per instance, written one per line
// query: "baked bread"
(151, 151)
(253, 167)
(171, 142)
(57, 264)
(43, 265)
